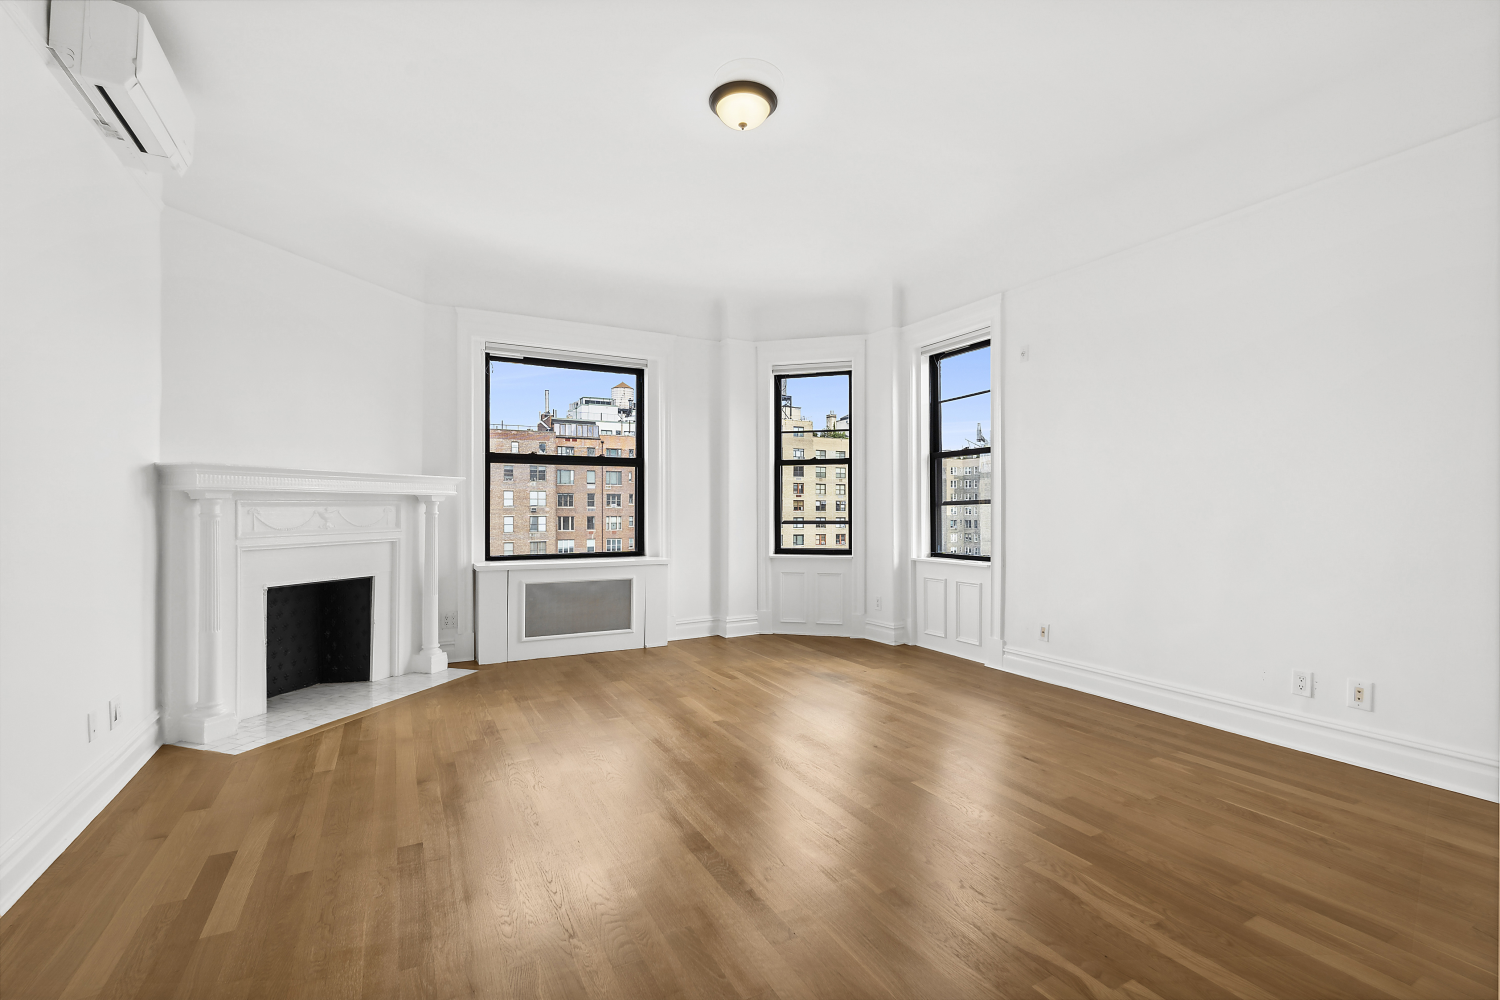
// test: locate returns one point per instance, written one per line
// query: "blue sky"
(959, 376)
(516, 389)
(818, 394)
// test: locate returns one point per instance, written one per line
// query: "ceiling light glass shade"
(742, 104)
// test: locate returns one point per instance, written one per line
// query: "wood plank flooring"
(757, 818)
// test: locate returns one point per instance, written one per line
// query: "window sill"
(979, 563)
(582, 560)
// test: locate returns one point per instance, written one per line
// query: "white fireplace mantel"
(232, 532)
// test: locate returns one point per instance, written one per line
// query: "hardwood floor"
(763, 817)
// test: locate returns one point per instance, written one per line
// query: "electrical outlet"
(1361, 695)
(113, 715)
(877, 604)
(1302, 683)
(450, 619)
(1026, 352)
(1046, 633)
(93, 729)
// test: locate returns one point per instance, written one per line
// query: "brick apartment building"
(814, 496)
(550, 499)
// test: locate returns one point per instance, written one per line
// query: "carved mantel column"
(432, 658)
(210, 719)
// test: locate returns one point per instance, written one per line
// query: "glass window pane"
(964, 530)
(966, 478)
(964, 373)
(966, 423)
(546, 415)
(814, 402)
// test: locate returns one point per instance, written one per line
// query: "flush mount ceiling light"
(742, 104)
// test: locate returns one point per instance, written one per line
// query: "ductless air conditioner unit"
(112, 56)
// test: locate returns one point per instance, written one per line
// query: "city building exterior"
(551, 500)
(814, 490)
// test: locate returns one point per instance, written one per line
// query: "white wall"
(271, 359)
(80, 338)
(1270, 442)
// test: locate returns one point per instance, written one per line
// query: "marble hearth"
(231, 532)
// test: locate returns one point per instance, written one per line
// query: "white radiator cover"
(525, 610)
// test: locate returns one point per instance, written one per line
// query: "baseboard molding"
(28, 852)
(1432, 764)
(459, 646)
(732, 627)
(890, 633)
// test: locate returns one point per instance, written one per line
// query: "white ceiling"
(560, 158)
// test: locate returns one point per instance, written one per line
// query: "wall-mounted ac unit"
(112, 56)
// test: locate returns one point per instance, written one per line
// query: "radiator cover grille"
(577, 607)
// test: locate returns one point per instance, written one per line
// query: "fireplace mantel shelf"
(257, 479)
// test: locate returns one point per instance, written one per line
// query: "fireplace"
(318, 633)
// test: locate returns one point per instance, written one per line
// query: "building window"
(590, 525)
(959, 451)
(591, 401)
(814, 405)
(613, 544)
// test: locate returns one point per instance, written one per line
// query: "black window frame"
(937, 455)
(637, 463)
(778, 463)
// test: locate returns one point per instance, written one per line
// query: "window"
(959, 414)
(592, 401)
(613, 544)
(590, 525)
(813, 405)
(612, 523)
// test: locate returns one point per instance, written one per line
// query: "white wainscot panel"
(953, 600)
(830, 598)
(968, 612)
(935, 606)
(792, 598)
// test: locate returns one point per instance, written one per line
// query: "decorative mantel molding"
(226, 521)
(255, 479)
